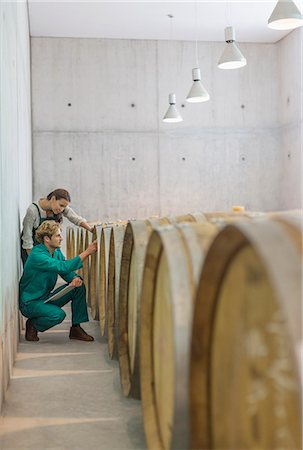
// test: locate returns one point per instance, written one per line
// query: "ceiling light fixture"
(198, 93)
(285, 16)
(231, 58)
(172, 115)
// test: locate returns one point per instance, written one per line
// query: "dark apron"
(24, 254)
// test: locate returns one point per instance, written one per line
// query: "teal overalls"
(37, 283)
(57, 218)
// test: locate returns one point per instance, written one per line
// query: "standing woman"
(53, 207)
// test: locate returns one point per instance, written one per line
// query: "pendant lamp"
(285, 16)
(172, 114)
(198, 92)
(231, 58)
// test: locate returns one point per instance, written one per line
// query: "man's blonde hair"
(47, 228)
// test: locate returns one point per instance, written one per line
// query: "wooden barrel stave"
(93, 277)
(103, 277)
(114, 267)
(68, 243)
(133, 254)
(85, 268)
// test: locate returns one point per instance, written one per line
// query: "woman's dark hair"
(58, 194)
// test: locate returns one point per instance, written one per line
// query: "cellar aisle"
(65, 394)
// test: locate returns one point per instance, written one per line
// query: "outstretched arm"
(73, 217)
(92, 248)
(86, 226)
(68, 277)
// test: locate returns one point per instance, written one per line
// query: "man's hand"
(77, 282)
(92, 248)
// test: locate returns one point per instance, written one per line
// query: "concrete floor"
(66, 395)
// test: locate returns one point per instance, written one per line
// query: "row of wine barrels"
(76, 242)
(95, 269)
(134, 249)
(117, 241)
(135, 243)
(220, 336)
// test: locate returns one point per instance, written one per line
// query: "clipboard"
(60, 294)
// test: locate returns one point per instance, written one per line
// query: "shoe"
(31, 334)
(77, 332)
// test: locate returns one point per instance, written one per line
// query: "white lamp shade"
(172, 114)
(231, 58)
(198, 93)
(285, 16)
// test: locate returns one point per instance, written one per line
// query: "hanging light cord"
(170, 16)
(196, 32)
(228, 13)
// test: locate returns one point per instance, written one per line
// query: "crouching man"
(40, 274)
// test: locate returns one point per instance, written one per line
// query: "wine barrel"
(93, 278)
(103, 276)
(114, 266)
(133, 254)
(173, 262)
(245, 374)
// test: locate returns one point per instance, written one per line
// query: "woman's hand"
(77, 282)
(87, 226)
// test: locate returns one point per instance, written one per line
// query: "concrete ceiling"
(149, 20)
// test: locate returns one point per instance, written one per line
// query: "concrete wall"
(291, 118)
(15, 170)
(98, 130)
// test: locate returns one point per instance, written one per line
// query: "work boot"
(76, 332)
(31, 334)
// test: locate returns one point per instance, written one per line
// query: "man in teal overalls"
(40, 274)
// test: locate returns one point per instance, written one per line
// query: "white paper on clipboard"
(60, 294)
